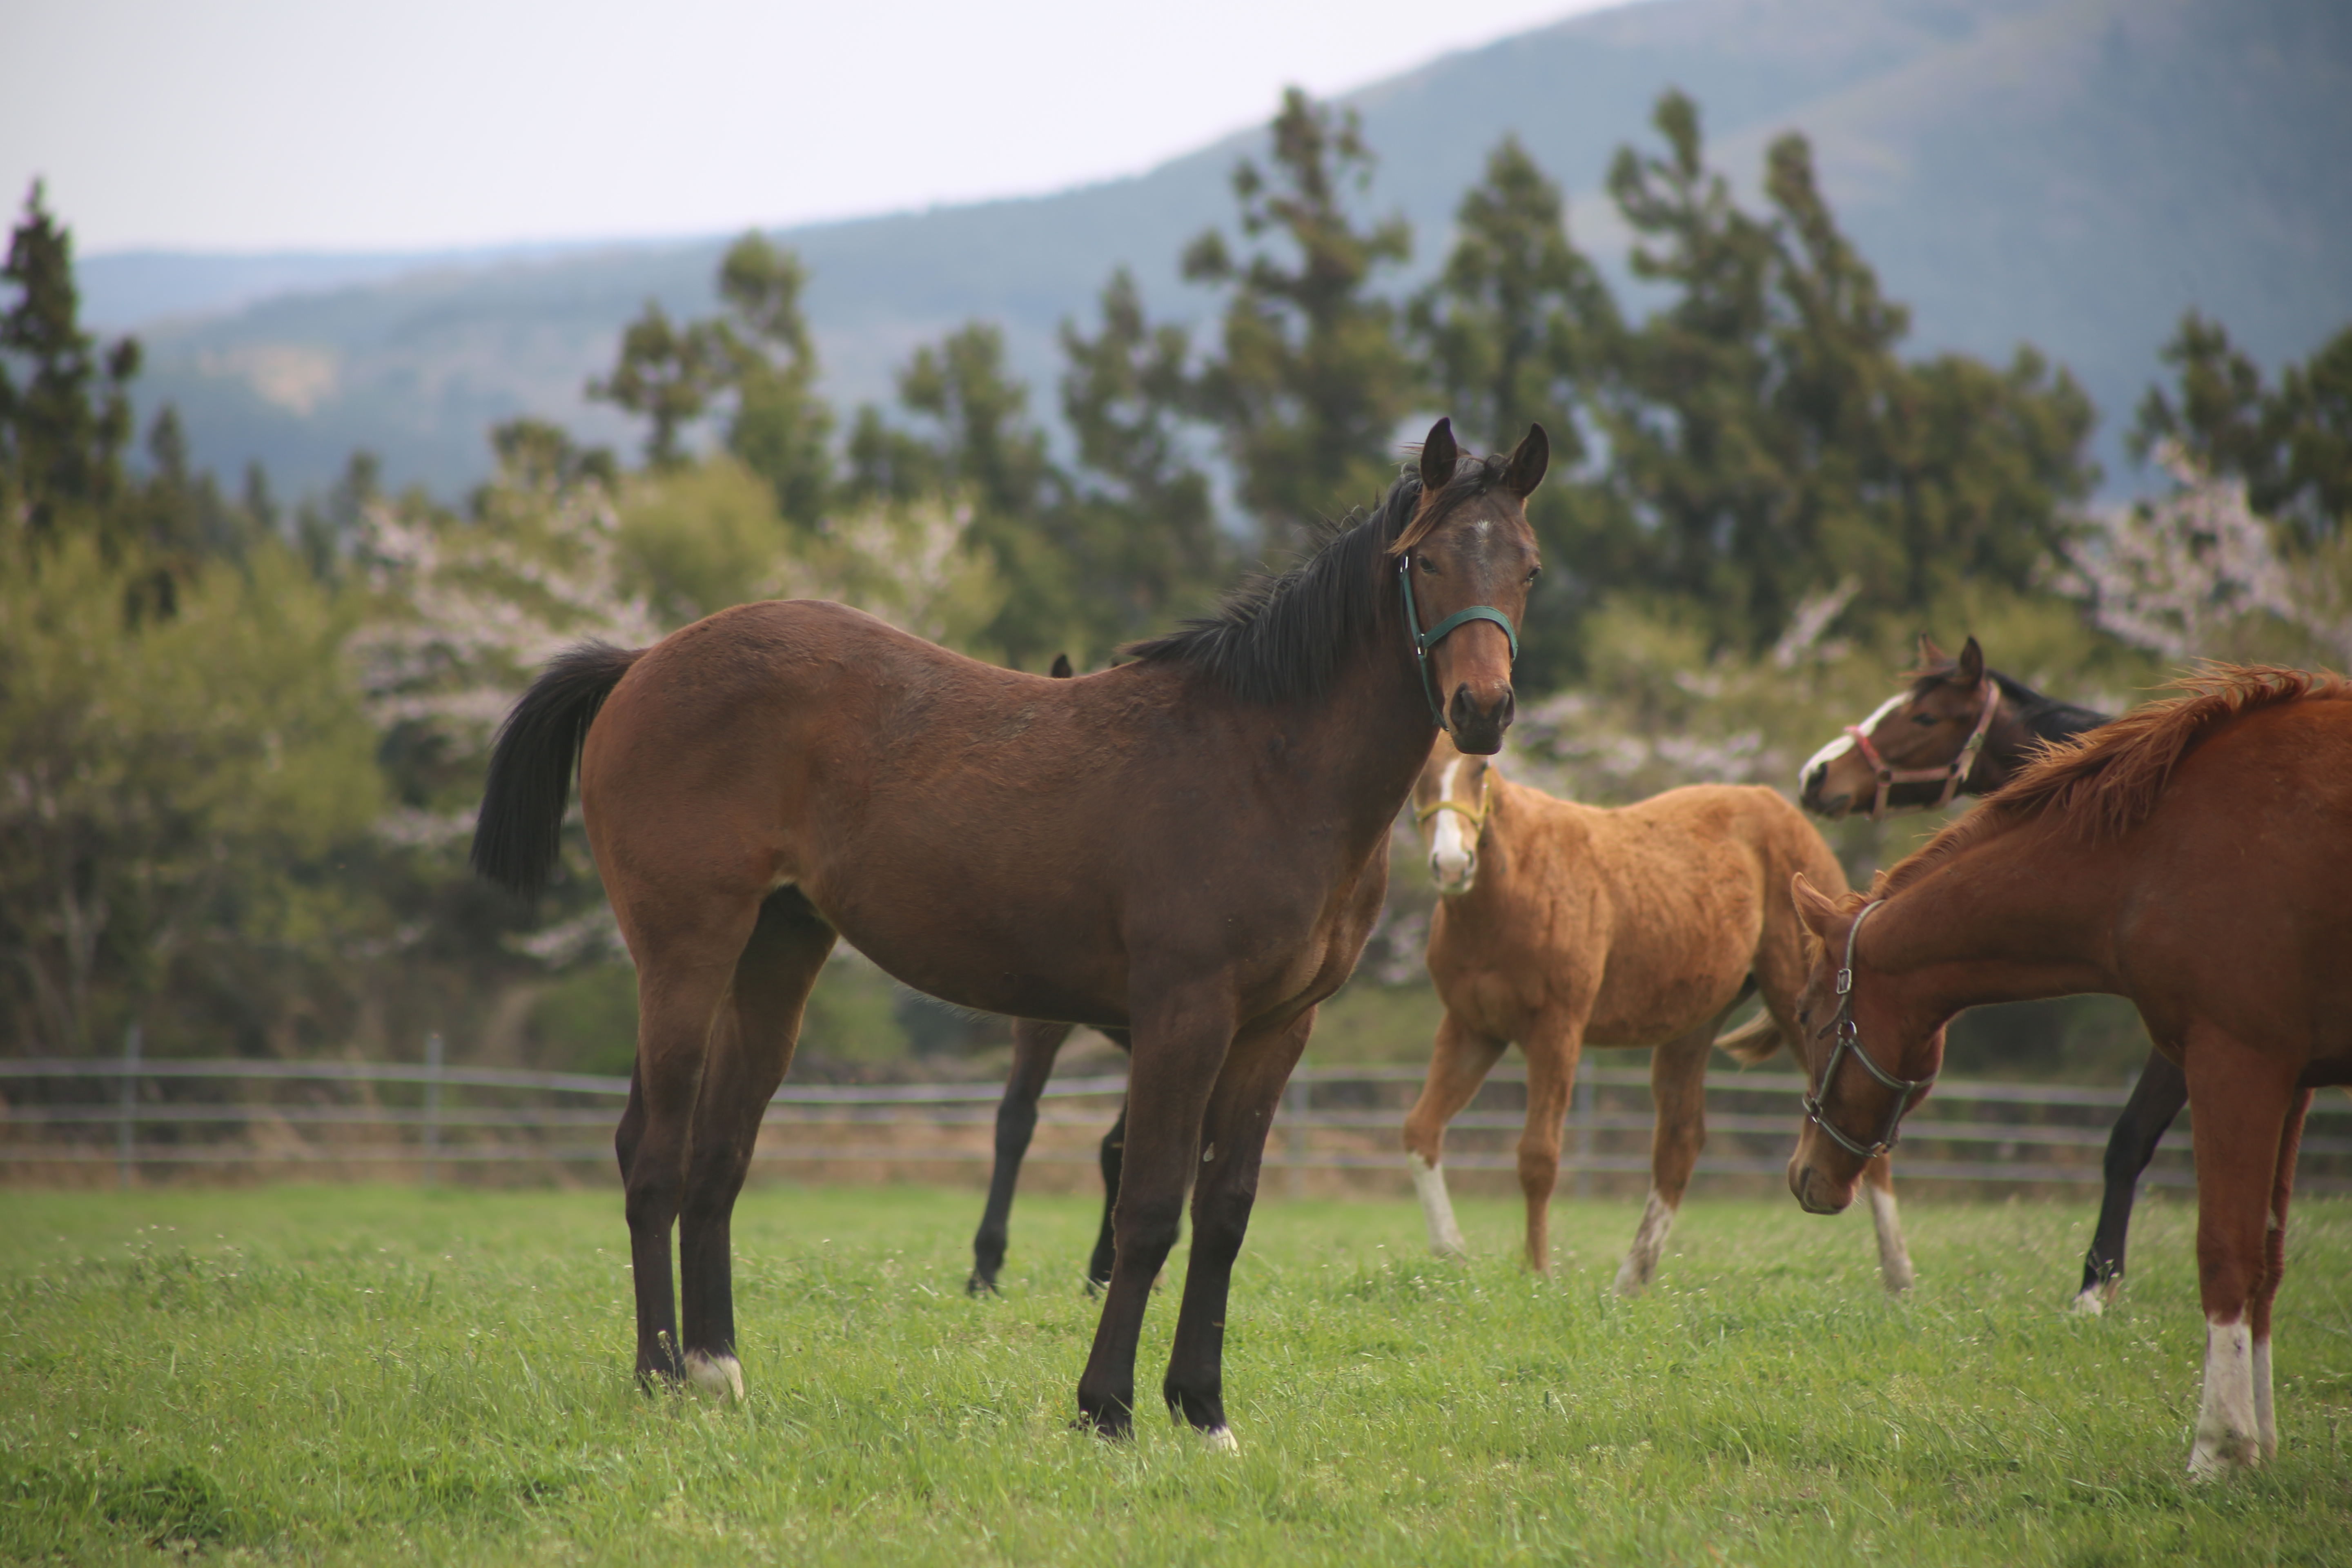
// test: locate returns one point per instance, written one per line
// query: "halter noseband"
(1477, 820)
(1849, 1038)
(1423, 641)
(1952, 773)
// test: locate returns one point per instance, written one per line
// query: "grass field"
(368, 1374)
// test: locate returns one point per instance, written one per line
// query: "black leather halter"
(1849, 1039)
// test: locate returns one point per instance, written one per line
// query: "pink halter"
(1952, 773)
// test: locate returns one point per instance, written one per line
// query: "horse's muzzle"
(1478, 727)
(1812, 800)
(1814, 1193)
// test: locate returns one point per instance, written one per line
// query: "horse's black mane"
(1281, 638)
(2044, 718)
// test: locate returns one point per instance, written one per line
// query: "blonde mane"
(2106, 781)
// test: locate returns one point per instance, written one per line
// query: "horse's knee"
(1147, 1228)
(1539, 1172)
(655, 1193)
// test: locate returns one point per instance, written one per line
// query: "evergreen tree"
(2290, 445)
(64, 410)
(1140, 527)
(1772, 440)
(781, 429)
(666, 373)
(1312, 380)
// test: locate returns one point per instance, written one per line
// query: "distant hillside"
(2074, 173)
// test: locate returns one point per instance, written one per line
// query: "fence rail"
(431, 1116)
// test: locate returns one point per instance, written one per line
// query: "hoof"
(2217, 1461)
(2091, 1304)
(1220, 1440)
(979, 1286)
(716, 1377)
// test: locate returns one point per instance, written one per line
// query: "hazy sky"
(267, 124)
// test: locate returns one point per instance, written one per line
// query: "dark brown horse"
(1964, 729)
(2191, 856)
(1036, 1044)
(1192, 847)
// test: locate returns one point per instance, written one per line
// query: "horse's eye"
(1925, 719)
(1428, 565)
(1534, 572)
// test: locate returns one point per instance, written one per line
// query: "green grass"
(368, 1374)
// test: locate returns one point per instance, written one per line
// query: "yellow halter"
(1477, 820)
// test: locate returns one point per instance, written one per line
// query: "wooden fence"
(68, 1119)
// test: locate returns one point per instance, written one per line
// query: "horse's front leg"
(1457, 1066)
(1678, 1087)
(2241, 1098)
(1233, 1145)
(1180, 1045)
(2155, 1101)
(2274, 1270)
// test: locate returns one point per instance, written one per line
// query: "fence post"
(126, 1133)
(1585, 1096)
(1294, 1136)
(432, 1105)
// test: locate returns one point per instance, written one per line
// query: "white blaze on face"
(1844, 743)
(1450, 852)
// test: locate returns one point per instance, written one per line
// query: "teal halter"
(1423, 641)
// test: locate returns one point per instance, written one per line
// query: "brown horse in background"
(1562, 925)
(1192, 846)
(2193, 856)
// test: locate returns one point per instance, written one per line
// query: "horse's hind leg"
(1034, 1047)
(2242, 1098)
(1114, 1162)
(1678, 1087)
(751, 1048)
(1233, 1146)
(2155, 1101)
(1895, 1270)
(2274, 1271)
(1458, 1065)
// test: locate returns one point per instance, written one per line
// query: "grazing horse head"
(1465, 562)
(1867, 1061)
(1918, 750)
(1450, 802)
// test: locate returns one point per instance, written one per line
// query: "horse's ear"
(1061, 671)
(1528, 460)
(1972, 664)
(1438, 456)
(1930, 656)
(1815, 908)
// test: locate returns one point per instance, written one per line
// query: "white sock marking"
(2227, 1437)
(2091, 1304)
(1221, 1440)
(1640, 1265)
(1893, 1257)
(1437, 1208)
(718, 1377)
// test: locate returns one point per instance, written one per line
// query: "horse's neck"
(2027, 720)
(2024, 914)
(1373, 731)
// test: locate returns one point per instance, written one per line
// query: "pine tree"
(666, 373)
(2291, 444)
(64, 410)
(781, 429)
(1140, 527)
(1312, 380)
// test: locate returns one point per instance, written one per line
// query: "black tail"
(520, 831)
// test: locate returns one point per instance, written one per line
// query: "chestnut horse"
(1191, 847)
(1562, 925)
(1964, 729)
(2191, 856)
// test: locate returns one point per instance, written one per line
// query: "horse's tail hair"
(520, 832)
(1755, 1041)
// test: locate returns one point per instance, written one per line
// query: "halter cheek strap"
(1477, 820)
(1848, 1041)
(1424, 641)
(1951, 774)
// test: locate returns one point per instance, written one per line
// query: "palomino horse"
(2191, 856)
(1562, 925)
(1192, 846)
(1962, 728)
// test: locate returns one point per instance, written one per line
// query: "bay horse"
(1035, 1046)
(1190, 845)
(2192, 857)
(1962, 728)
(1560, 925)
